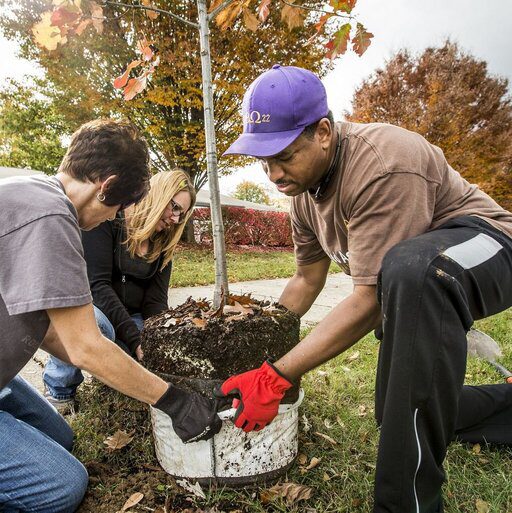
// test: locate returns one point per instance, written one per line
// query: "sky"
(482, 28)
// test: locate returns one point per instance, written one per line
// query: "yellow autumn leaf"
(45, 34)
(313, 463)
(482, 506)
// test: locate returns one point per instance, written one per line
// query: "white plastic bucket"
(232, 456)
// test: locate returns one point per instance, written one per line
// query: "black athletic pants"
(431, 289)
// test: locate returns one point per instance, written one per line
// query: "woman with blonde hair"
(129, 262)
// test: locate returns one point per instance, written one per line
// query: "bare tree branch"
(155, 9)
(314, 9)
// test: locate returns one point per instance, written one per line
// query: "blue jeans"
(37, 471)
(61, 378)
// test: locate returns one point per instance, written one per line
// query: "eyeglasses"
(177, 211)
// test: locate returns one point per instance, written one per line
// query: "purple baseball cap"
(277, 107)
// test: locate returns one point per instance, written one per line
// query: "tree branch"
(155, 9)
(218, 9)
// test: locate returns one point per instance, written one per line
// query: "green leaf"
(338, 44)
(343, 5)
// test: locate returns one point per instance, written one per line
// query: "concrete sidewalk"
(337, 287)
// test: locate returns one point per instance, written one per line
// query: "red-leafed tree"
(450, 98)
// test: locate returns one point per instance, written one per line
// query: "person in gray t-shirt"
(45, 302)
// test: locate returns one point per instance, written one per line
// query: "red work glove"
(260, 391)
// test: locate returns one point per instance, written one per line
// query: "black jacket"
(121, 285)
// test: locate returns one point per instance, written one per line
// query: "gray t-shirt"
(41, 265)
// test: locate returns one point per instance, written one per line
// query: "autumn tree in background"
(250, 191)
(30, 129)
(78, 75)
(450, 98)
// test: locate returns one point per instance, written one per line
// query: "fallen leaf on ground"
(354, 356)
(482, 506)
(340, 422)
(237, 308)
(132, 501)
(326, 437)
(302, 459)
(239, 317)
(200, 323)
(194, 489)
(306, 424)
(313, 463)
(243, 300)
(290, 492)
(362, 410)
(118, 440)
(326, 477)
(327, 423)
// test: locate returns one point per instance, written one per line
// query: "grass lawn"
(339, 403)
(194, 265)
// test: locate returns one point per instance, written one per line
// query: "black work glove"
(193, 416)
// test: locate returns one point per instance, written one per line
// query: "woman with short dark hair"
(129, 261)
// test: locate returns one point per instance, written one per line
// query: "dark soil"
(197, 347)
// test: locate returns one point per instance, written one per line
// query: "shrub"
(246, 227)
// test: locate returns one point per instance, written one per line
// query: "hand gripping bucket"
(231, 457)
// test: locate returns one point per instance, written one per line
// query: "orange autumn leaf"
(361, 40)
(121, 81)
(134, 87)
(144, 48)
(250, 20)
(292, 16)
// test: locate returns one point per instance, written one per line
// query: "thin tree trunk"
(221, 278)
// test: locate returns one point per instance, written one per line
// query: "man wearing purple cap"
(428, 254)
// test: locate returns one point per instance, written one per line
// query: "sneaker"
(63, 406)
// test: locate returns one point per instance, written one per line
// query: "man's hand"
(193, 416)
(260, 391)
